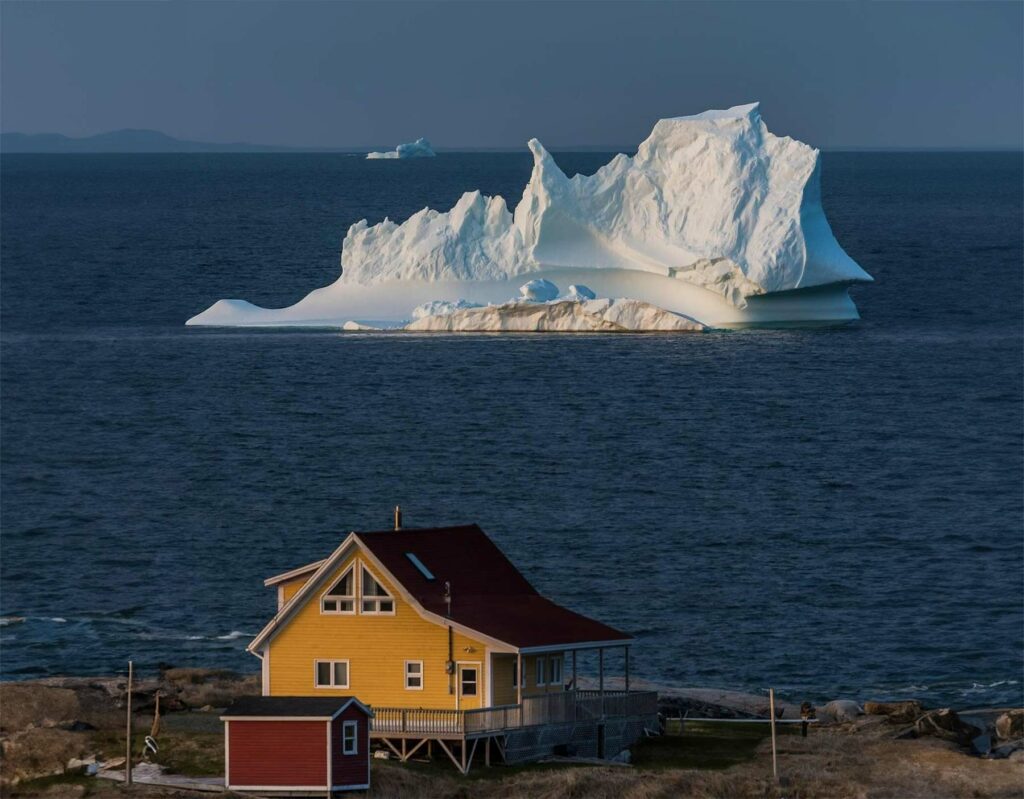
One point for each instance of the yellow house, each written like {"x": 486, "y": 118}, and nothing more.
{"x": 450, "y": 645}
{"x": 432, "y": 618}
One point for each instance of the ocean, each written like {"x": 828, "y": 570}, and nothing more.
{"x": 828, "y": 512}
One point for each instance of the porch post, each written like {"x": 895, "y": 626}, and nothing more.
{"x": 600, "y": 671}
{"x": 627, "y": 667}
{"x": 575, "y": 687}
{"x": 519, "y": 679}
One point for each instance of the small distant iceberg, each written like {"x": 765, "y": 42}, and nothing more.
{"x": 416, "y": 149}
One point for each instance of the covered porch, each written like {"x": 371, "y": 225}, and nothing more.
{"x": 532, "y": 705}
{"x": 601, "y": 657}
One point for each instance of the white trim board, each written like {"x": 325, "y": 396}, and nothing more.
{"x": 289, "y": 575}
{"x": 227, "y": 752}
{"x": 278, "y": 787}
{"x": 542, "y": 650}
{"x": 329, "y": 725}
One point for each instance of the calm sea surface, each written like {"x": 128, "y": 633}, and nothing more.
{"x": 830, "y": 512}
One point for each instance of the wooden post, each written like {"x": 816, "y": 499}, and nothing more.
{"x": 128, "y": 731}
{"x": 627, "y": 668}
{"x": 519, "y": 680}
{"x": 575, "y": 687}
{"x": 600, "y": 677}
{"x": 771, "y": 709}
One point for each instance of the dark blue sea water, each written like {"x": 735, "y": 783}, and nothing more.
{"x": 829, "y": 512}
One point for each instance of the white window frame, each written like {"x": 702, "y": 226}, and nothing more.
{"x": 333, "y": 685}
{"x": 540, "y": 666}
{"x": 408, "y": 675}
{"x": 462, "y": 668}
{"x": 378, "y": 599}
{"x": 354, "y": 727}
{"x": 353, "y": 597}
{"x": 553, "y": 678}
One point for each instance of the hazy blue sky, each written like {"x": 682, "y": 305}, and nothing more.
{"x": 494, "y": 74}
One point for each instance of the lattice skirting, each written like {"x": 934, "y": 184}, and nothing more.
{"x": 579, "y": 738}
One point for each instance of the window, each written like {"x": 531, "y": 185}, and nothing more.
{"x": 517, "y": 673}
{"x": 341, "y": 598}
{"x": 555, "y": 671}
{"x": 540, "y": 671}
{"x": 375, "y": 599}
{"x": 419, "y": 565}
{"x": 350, "y": 737}
{"x": 332, "y": 674}
{"x": 414, "y": 675}
{"x": 468, "y": 681}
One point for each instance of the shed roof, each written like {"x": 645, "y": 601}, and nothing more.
{"x": 291, "y": 706}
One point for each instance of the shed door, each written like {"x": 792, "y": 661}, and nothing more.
{"x": 469, "y": 686}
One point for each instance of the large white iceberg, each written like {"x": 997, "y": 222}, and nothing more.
{"x": 417, "y": 149}
{"x": 714, "y": 219}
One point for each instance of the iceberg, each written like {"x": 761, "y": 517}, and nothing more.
{"x": 558, "y": 316}
{"x": 715, "y": 220}
{"x": 418, "y": 149}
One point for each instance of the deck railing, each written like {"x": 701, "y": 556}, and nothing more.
{"x": 557, "y": 708}
{"x": 406, "y": 719}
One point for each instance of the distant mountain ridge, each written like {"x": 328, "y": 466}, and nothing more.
{"x": 135, "y": 140}
{"x": 132, "y": 140}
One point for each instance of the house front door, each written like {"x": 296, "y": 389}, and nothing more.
{"x": 469, "y": 687}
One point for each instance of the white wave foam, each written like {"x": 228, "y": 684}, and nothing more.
{"x": 234, "y": 635}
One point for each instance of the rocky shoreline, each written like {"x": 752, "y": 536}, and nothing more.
{"x": 63, "y": 726}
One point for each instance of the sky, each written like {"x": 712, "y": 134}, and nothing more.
{"x": 493, "y": 74}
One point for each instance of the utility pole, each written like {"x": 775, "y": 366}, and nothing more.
{"x": 128, "y": 743}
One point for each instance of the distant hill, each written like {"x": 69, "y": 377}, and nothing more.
{"x": 133, "y": 140}
{"x": 125, "y": 141}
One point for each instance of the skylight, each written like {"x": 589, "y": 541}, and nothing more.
{"x": 419, "y": 565}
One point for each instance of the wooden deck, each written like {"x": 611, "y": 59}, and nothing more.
{"x": 568, "y": 706}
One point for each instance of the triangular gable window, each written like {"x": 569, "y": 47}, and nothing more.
{"x": 341, "y": 597}
{"x": 374, "y": 598}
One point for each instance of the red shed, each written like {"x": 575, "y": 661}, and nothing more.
{"x": 297, "y": 745}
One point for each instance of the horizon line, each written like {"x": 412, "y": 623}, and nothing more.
{"x": 270, "y": 149}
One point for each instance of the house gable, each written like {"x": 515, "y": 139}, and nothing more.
{"x": 331, "y": 569}
{"x": 374, "y": 646}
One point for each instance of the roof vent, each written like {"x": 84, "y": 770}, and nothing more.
{"x": 419, "y": 565}
{"x": 398, "y": 517}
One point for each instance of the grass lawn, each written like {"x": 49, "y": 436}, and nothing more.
{"x": 704, "y": 746}
{"x": 701, "y": 744}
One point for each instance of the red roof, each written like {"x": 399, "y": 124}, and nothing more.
{"x": 489, "y": 594}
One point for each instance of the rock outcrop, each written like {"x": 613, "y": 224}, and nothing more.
{"x": 906, "y": 711}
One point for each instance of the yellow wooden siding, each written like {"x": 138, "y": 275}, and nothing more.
{"x": 503, "y": 666}
{"x": 291, "y": 588}
{"x": 377, "y": 648}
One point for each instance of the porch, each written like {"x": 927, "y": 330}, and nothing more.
{"x": 596, "y": 721}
